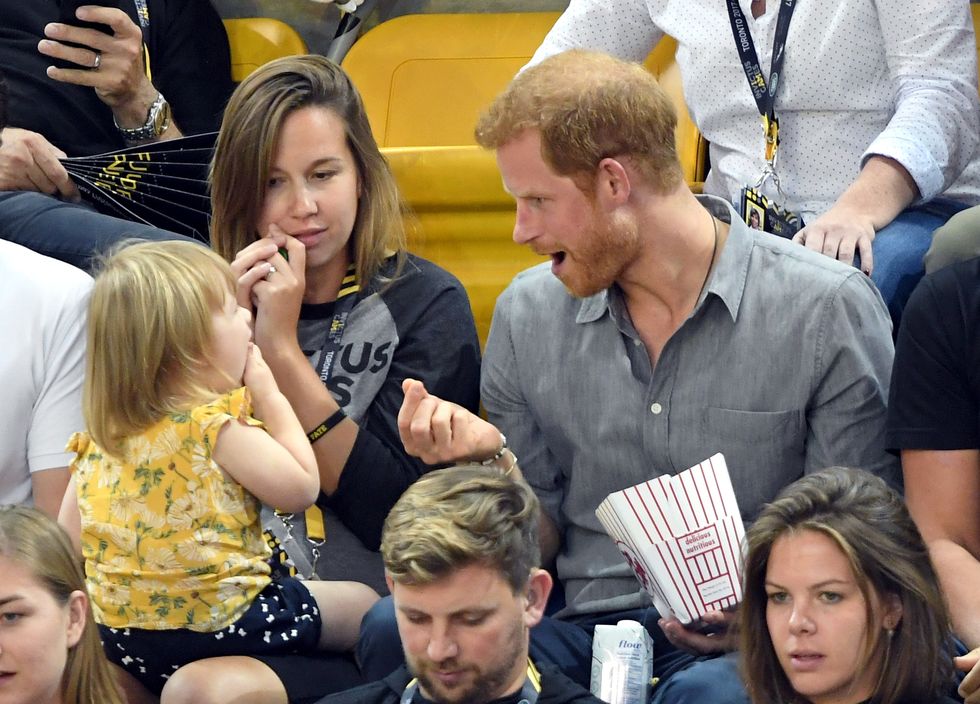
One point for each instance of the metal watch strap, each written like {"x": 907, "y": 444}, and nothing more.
{"x": 153, "y": 127}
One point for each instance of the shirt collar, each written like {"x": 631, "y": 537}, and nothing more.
{"x": 593, "y": 307}
{"x": 727, "y": 280}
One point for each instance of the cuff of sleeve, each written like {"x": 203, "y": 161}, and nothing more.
{"x": 916, "y": 159}
{"x": 50, "y": 460}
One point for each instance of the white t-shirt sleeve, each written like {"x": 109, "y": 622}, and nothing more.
{"x": 57, "y": 411}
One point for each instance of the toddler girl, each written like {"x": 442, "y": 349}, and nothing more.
{"x": 167, "y": 482}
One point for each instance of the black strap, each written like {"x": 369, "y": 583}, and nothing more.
{"x": 764, "y": 94}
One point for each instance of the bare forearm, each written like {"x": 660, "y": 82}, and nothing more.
{"x": 881, "y": 191}
{"x": 959, "y": 575}
{"x": 942, "y": 490}
{"x": 313, "y": 403}
{"x": 48, "y": 489}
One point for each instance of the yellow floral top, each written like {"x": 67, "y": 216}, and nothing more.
{"x": 169, "y": 539}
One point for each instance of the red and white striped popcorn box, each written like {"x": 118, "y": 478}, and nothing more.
{"x": 682, "y": 536}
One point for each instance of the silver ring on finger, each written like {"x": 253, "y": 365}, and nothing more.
{"x": 97, "y": 62}
{"x": 272, "y": 270}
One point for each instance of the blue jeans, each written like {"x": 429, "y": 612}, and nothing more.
{"x": 704, "y": 680}
{"x": 899, "y": 248}
{"x": 71, "y": 232}
{"x": 567, "y": 644}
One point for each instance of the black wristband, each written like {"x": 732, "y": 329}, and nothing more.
{"x": 326, "y": 426}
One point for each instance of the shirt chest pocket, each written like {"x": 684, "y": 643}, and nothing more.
{"x": 764, "y": 450}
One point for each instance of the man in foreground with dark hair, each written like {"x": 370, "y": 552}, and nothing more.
{"x": 461, "y": 558}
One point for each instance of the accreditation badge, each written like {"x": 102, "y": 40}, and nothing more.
{"x": 761, "y": 213}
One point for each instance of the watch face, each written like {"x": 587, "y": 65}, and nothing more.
{"x": 161, "y": 120}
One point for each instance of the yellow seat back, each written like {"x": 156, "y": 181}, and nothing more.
{"x": 258, "y": 40}
{"x": 425, "y": 79}
{"x": 692, "y": 149}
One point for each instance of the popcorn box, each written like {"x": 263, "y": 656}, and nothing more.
{"x": 682, "y": 537}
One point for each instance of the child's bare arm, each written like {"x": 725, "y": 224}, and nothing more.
{"x": 277, "y": 466}
{"x": 273, "y": 409}
{"x": 258, "y": 462}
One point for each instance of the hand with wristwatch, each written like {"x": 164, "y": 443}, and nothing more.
{"x": 114, "y": 62}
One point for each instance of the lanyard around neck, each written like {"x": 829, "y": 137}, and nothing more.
{"x": 764, "y": 92}
{"x": 346, "y": 299}
{"x": 143, "y": 15}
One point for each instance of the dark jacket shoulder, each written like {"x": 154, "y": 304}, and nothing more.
{"x": 386, "y": 691}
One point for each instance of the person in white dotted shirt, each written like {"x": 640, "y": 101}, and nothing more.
{"x": 877, "y": 107}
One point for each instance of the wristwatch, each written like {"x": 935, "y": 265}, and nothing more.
{"x": 157, "y": 122}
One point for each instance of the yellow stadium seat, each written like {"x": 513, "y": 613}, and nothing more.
{"x": 692, "y": 149}
{"x": 425, "y": 79}
{"x": 258, "y": 40}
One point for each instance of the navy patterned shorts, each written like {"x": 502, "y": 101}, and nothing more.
{"x": 283, "y": 619}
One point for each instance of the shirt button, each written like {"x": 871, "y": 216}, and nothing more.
{"x": 656, "y": 408}
{"x": 637, "y": 343}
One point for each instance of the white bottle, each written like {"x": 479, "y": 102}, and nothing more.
{"x": 622, "y": 663}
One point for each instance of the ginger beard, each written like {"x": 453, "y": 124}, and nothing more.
{"x": 607, "y": 246}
